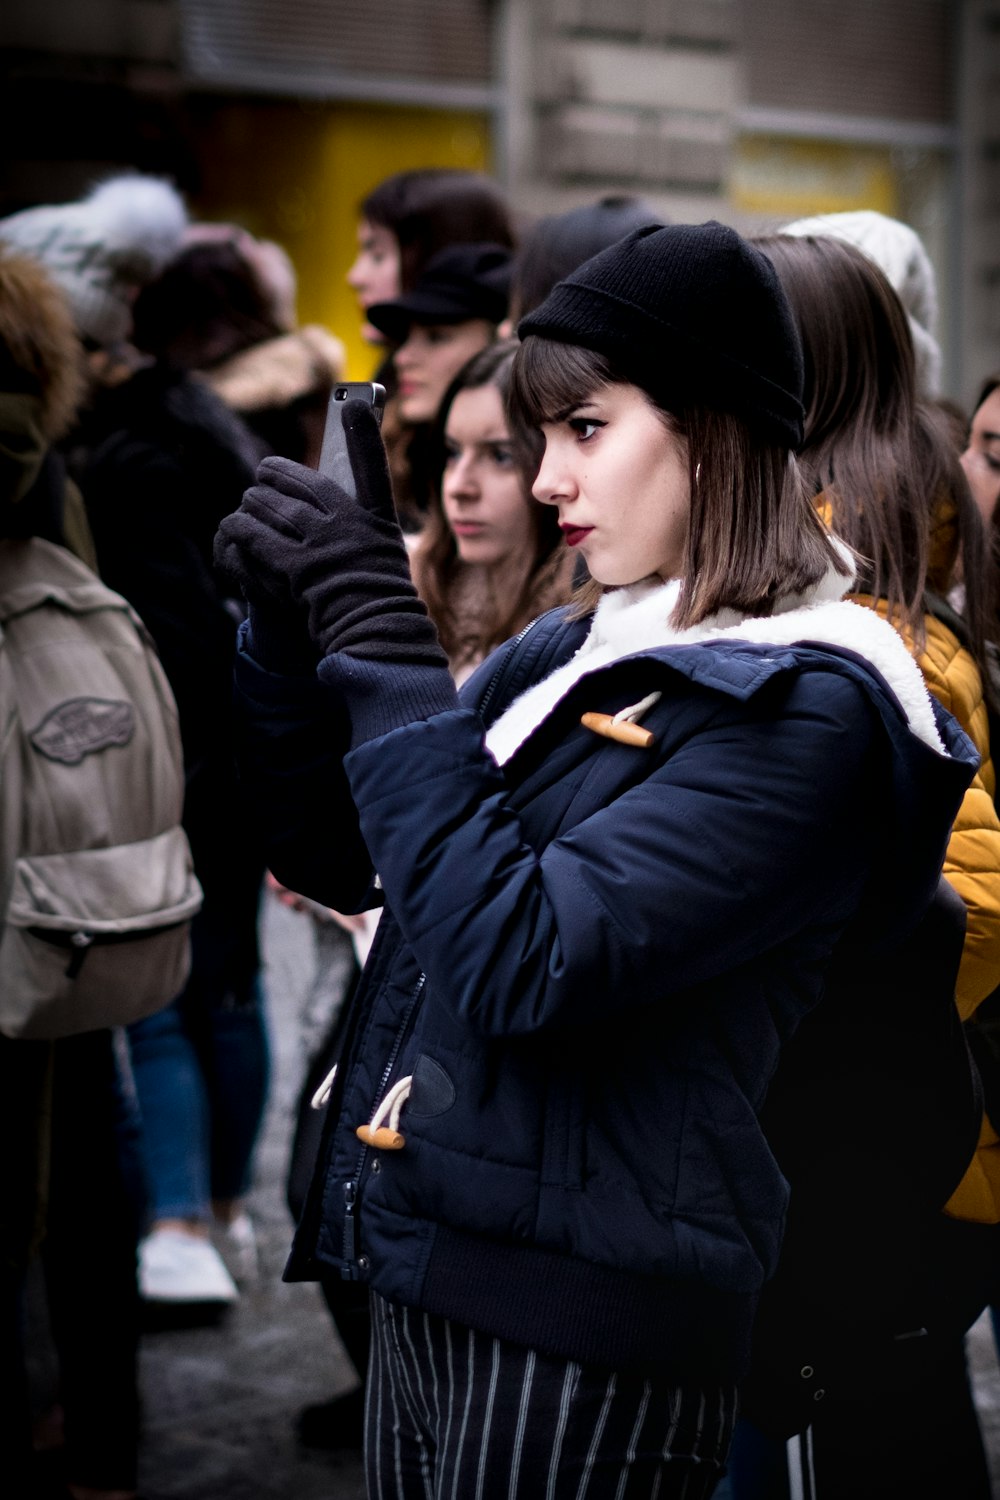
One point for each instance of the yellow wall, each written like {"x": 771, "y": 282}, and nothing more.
{"x": 296, "y": 172}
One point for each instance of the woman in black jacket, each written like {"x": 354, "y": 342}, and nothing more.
{"x": 615, "y": 869}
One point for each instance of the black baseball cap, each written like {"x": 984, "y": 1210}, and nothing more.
{"x": 457, "y": 284}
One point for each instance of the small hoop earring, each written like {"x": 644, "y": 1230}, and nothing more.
{"x": 697, "y": 472}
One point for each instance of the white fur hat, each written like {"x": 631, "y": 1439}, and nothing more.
{"x": 899, "y": 253}
{"x": 103, "y": 247}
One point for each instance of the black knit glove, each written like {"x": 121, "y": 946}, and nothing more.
{"x": 279, "y": 631}
{"x": 300, "y": 543}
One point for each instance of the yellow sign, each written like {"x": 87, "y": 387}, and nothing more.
{"x": 790, "y": 179}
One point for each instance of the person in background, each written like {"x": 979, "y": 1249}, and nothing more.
{"x": 225, "y": 308}
{"x": 614, "y": 868}
{"x": 980, "y": 460}
{"x": 489, "y": 558}
{"x": 452, "y": 311}
{"x": 403, "y": 222}
{"x": 981, "y": 455}
{"x": 69, "y": 1159}
{"x": 901, "y": 255}
{"x": 159, "y": 458}
{"x": 551, "y": 247}
{"x": 488, "y": 561}
{"x": 408, "y": 217}
{"x": 887, "y": 481}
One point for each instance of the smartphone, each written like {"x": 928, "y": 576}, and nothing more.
{"x": 334, "y": 461}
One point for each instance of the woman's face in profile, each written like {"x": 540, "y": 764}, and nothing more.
{"x": 484, "y": 503}
{"x": 375, "y": 274}
{"x": 981, "y": 459}
{"x": 619, "y": 477}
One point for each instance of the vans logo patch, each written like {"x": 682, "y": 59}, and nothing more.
{"x": 82, "y": 726}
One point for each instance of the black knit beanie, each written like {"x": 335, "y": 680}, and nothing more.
{"x": 691, "y": 313}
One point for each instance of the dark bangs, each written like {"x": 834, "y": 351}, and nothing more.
{"x": 548, "y": 379}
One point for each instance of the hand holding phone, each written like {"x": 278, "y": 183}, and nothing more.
{"x": 314, "y": 545}
{"x": 334, "y": 459}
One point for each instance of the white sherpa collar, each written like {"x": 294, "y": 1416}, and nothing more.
{"x": 634, "y": 619}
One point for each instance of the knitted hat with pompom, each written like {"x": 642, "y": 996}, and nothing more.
{"x": 102, "y": 248}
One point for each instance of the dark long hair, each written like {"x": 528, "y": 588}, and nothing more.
{"x": 754, "y": 535}
{"x": 432, "y": 207}
{"x": 436, "y": 563}
{"x": 881, "y": 458}
{"x": 207, "y": 305}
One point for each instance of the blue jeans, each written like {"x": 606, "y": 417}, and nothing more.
{"x": 201, "y": 1070}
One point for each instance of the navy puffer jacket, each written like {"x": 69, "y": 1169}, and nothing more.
{"x": 589, "y": 960}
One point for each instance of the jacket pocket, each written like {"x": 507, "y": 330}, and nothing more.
{"x": 564, "y": 1144}
{"x": 96, "y": 937}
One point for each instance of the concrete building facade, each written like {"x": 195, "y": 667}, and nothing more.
{"x": 281, "y": 112}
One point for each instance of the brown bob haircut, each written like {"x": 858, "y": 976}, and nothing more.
{"x": 754, "y": 534}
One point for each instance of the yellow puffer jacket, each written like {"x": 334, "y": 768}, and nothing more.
{"x": 972, "y": 866}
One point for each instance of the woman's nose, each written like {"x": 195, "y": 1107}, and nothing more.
{"x": 460, "y": 478}
{"x": 550, "y": 483}
{"x": 403, "y": 355}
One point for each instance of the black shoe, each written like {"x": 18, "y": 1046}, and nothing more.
{"x": 333, "y": 1424}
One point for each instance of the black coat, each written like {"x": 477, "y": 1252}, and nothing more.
{"x": 160, "y": 459}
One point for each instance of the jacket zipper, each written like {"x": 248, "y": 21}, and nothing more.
{"x": 350, "y": 1271}
{"x": 502, "y": 667}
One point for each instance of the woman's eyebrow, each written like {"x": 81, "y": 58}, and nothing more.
{"x": 569, "y": 411}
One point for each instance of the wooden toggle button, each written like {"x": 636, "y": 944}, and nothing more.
{"x": 383, "y": 1139}
{"x": 625, "y": 732}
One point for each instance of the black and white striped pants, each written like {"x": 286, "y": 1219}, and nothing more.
{"x": 456, "y": 1415}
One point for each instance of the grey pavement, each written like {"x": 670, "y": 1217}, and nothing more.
{"x": 220, "y": 1401}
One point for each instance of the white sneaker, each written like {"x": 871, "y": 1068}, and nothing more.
{"x": 237, "y": 1241}
{"x": 179, "y": 1267}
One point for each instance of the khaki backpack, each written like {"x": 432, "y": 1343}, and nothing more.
{"x": 97, "y": 887}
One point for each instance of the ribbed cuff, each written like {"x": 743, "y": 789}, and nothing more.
{"x": 382, "y": 696}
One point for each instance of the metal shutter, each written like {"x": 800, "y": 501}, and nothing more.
{"x": 321, "y": 49}
{"x": 888, "y": 59}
